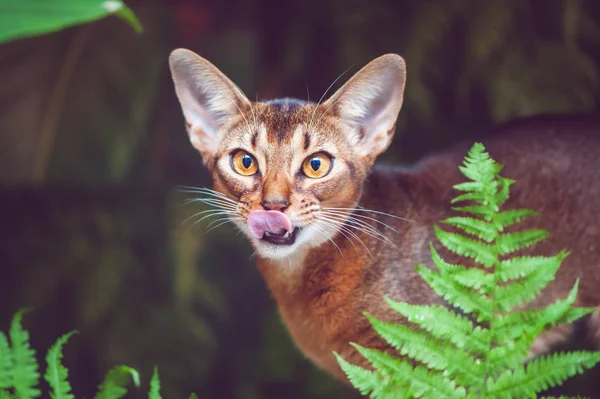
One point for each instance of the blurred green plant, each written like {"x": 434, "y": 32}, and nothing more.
{"x": 24, "y": 18}
{"x": 522, "y": 57}
{"x": 480, "y": 356}
{"x": 19, "y": 370}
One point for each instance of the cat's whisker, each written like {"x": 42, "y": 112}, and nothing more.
{"x": 369, "y": 230}
{"x": 361, "y": 209}
{"x": 342, "y": 226}
{"x": 228, "y": 220}
{"x": 214, "y": 202}
{"x": 353, "y": 215}
{"x": 355, "y": 220}
{"x": 324, "y": 94}
{"x": 243, "y": 116}
{"x": 322, "y": 231}
{"x": 207, "y": 191}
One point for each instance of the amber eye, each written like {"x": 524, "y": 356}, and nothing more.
{"x": 244, "y": 163}
{"x": 317, "y": 165}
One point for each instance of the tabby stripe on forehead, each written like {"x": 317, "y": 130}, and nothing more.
{"x": 253, "y": 140}
{"x": 306, "y": 140}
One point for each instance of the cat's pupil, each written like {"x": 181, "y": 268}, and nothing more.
{"x": 315, "y": 164}
{"x": 246, "y": 161}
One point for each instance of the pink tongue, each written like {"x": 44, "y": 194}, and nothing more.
{"x": 260, "y": 222}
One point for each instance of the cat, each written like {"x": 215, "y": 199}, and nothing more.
{"x": 334, "y": 234}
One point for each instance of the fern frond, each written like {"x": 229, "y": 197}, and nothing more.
{"x": 115, "y": 382}
{"x": 543, "y": 373}
{"x": 528, "y": 323}
{"x": 523, "y": 290}
{"x": 519, "y": 267}
{"x": 154, "y": 385}
{"x": 507, "y": 218}
{"x": 193, "y": 396}
{"x": 5, "y": 395}
{"x": 512, "y": 242}
{"x": 6, "y": 363}
{"x": 457, "y": 295}
{"x": 56, "y": 374}
{"x": 481, "y": 252}
{"x": 474, "y": 227}
{"x": 477, "y": 210}
{"x": 25, "y": 368}
{"x": 363, "y": 380}
{"x": 445, "y": 325}
{"x": 435, "y": 353}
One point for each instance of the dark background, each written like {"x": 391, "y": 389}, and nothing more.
{"x": 93, "y": 148}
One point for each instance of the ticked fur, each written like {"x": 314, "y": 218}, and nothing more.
{"x": 362, "y": 229}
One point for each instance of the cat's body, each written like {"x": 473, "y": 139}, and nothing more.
{"x": 323, "y": 305}
{"x": 291, "y": 175}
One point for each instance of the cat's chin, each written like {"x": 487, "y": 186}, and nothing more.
{"x": 280, "y": 248}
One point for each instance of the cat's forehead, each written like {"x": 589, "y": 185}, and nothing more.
{"x": 280, "y": 119}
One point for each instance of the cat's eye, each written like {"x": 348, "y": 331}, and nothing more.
{"x": 317, "y": 165}
{"x": 244, "y": 163}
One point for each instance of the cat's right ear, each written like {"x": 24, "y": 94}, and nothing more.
{"x": 209, "y": 100}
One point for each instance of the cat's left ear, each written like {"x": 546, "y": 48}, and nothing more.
{"x": 369, "y": 103}
{"x": 209, "y": 100}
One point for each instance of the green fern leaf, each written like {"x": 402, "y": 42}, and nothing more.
{"x": 56, "y": 374}
{"x": 5, "y": 395}
{"x": 543, "y": 373}
{"x": 25, "y": 368}
{"x": 477, "y": 250}
{"x": 524, "y": 290}
{"x": 115, "y": 381}
{"x": 502, "y": 195}
{"x": 193, "y": 396}
{"x": 528, "y": 323}
{"x": 436, "y": 354}
{"x": 477, "y": 210}
{"x": 363, "y": 380}
{"x": 514, "y": 268}
{"x": 445, "y": 325}
{"x": 5, "y": 363}
{"x": 474, "y": 227}
{"x": 457, "y": 295}
{"x": 505, "y": 219}
{"x": 512, "y": 242}
{"x": 154, "y": 386}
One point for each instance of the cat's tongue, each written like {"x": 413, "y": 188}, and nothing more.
{"x": 261, "y": 222}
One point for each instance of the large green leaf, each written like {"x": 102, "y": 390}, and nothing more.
{"x": 25, "y": 18}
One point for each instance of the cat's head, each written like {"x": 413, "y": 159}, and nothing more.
{"x": 289, "y": 170}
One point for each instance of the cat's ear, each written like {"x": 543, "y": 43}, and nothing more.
{"x": 368, "y": 104}
{"x": 209, "y": 100}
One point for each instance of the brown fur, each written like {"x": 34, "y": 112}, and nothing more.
{"x": 323, "y": 290}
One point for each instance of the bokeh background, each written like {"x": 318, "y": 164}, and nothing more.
{"x": 93, "y": 230}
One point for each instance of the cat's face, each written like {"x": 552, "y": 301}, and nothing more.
{"x": 288, "y": 172}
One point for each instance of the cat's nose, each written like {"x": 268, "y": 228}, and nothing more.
{"x": 275, "y": 204}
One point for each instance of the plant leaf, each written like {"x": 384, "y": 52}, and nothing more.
{"x": 6, "y": 363}
{"x": 154, "y": 386}
{"x": 57, "y": 374}
{"x": 115, "y": 381}
{"x": 25, "y": 18}
{"x": 25, "y": 368}
{"x": 463, "y": 246}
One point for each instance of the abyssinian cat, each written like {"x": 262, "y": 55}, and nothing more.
{"x": 334, "y": 234}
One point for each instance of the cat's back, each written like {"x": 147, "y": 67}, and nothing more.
{"x": 554, "y": 160}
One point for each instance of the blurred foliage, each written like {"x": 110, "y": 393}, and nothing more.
{"x": 92, "y": 145}
{"x": 26, "y": 18}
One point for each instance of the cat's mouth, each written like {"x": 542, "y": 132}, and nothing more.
{"x": 273, "y": 227}
{"x": 283, "y": 237}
